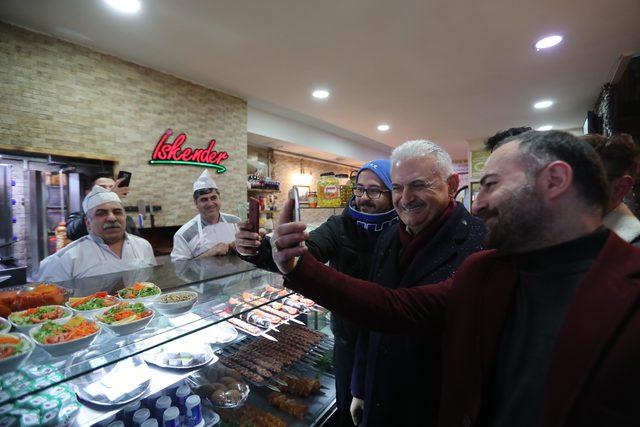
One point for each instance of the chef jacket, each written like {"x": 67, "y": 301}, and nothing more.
{"x": 196, "y": 236}
{"x": 91, "y": 256}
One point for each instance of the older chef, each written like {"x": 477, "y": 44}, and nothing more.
{"x": 211, "y": 232}
{"x": 107, "y": 248}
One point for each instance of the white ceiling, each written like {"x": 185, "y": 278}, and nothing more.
{"x": 449, "y": 70}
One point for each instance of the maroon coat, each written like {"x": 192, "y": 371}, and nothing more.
{"x": 594, "y": 370}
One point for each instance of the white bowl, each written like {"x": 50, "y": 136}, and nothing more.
{"x": 145, "y": 300}
{"x": 127, "y": 328}
{"x": 89, "y": 314}
{"x": 5, "y": 325}
{"x": 26, "y": 328}
{"x": 175, "y": 308}
{"x": 67, "y": 347}
{"x": 12, "y": 363}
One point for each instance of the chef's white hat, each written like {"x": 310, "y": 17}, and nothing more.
{"x": 204, "y": 181}
{"x": 98, "y": 196}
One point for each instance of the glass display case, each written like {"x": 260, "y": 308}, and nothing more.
{"x": 252, "y": 351}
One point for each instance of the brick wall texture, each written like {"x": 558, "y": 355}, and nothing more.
{"x": 61, "y": 98}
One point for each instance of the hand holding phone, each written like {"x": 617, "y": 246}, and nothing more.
{"x": 254, "y": 214}
{"x": 126, "y": 178}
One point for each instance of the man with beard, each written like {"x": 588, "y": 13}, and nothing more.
{"x": 396, "y": 378}
{"x": 211, "y": 232}
{"x": 346, "y": 241}
{"x": 107, "y": 249}
{"x": 540, "y": 331}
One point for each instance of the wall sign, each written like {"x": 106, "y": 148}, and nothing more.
{"x": 172, "y": 153}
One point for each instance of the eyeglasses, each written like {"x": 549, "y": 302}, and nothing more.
{"x": 372, "y": 193}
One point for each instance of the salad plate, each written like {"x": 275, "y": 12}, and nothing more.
{"x": 24, "y": 320}
{"x": 140, "y": 292}
{"x": 59, "y": 339}
{"x": 92, "y": 304}
{"x": 15, "y": 348}
{"x": 126, "y": 317}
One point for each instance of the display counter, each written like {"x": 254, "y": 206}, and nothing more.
{"x": 254, "y": 352}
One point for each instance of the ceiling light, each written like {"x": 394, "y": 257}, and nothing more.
{"x": 548, "y": 42}
{"x": 127, "y": 6}
{"x": 320, "y": 94}
{"x": 384, "y": 127}
{"x": 545, "y": 127}
{"x": 540, "y": 105}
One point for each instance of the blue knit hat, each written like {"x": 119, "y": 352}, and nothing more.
{"x": 381, "y": 167}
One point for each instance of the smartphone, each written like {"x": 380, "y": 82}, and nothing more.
{"x": 254, "y": 214}
{"x": 127, "y": 178}
{"x": 295, "y": 196}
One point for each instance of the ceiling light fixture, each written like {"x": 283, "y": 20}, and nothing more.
{"x": 545, "y": 127}
{"x": 384, "y": 127}
{"x": 540, "y": 105}
{"x": 126, "y": 6}
{"x": 547, "y": 42}
{"x": 320, "y": 94}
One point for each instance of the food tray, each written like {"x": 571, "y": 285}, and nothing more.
{"x": 156, "y": 357}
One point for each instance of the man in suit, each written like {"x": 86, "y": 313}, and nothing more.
{"x": 540, "y": 331}
{"x": 396, "y": 378}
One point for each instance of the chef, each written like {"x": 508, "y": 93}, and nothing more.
{"x": 107, "y": 249}
{"x": 211, "y": 232}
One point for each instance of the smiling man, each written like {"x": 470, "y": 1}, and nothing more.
{"x": 396, "y": 378}
{"x": 211, "y": 232}
{"x": 107, "y": 249}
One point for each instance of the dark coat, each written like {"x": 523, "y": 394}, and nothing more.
{"x": 593, "y": 373}
{"x": 397, "y": 375}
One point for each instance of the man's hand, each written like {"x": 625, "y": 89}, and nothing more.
{"x": 287, "y": 243}
{"x": 120, "y": 191}
{"x": 357, "y": 406}
{"x": 247, "y": 242}
{"x": 218, "y": 250}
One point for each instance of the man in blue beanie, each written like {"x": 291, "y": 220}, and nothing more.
{"x": 347, "y": 242}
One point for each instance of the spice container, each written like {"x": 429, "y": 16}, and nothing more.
{"x": 345, "y": 188}
{"x": 312, "y": 197}
{"x": 328, "y": 191}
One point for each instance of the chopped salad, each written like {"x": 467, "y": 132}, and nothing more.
{"x": 34, "y": 316}
{"x": 11, "y": 345}
{"x": 93, "y": 301}
{"x": 124, "y": 313}
{"x": 54, "y": 333}
{"x": 139, "y": 290}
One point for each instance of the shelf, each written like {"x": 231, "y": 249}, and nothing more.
{"x": 308, "y": 207}
{"x": 262, "y": 190}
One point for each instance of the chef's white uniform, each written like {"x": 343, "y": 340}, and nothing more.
{"x": 90, "y": 256}
{"x": 196, "y": 237}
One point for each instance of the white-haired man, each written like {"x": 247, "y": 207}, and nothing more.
{"x": 211, "y": 232}
{"x": 107, "y": 249}
{"x": 396, "y": 378}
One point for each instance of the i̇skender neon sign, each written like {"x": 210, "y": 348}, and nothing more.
{"x": 173, "y": 154}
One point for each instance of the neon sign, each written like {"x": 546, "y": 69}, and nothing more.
{"x": 173, "y": 153}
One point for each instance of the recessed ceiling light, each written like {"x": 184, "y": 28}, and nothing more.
{"x": 540, "y": 105}
{"x": 545, "y": 127}
{"x": 548, "y": 42}
{"x": 127, "y": 6}
{"x": 320, "y": 94}
{"x": 384, "y": 127}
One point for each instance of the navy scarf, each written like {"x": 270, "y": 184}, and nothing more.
{"x": 372, "y": 222}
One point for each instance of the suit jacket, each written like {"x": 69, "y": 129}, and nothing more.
{"x": 594, "y": 370}
{"x": 397, "y": 375}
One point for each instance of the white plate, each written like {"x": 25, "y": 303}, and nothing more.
{"x": 220, "y": 334}
{"x": 5, "y": 325}
{"x": 26, "y": 328}
{"x": 13, "y": 362}
{"x": 67, "y": 347}
{"x": 127, "y": 328}
{"x": 157, "y": 357}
